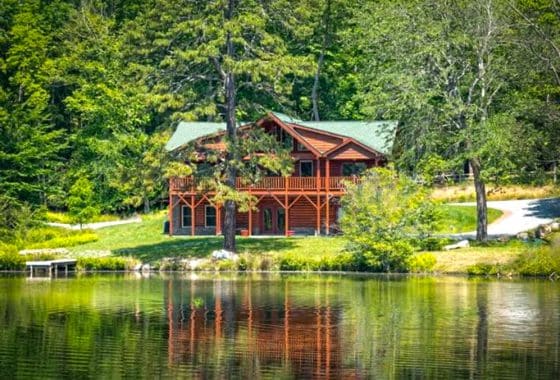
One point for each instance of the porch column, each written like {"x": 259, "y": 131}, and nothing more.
{"x": 218, "y": 220}
{"x": 318, "y": 203}
{"x": 193, "y": 214}
{"x": 250, "y": 215}
{"x": 170, "y": 211}
{"x": 327, "y": 188}
{"x": 286, "y": 208}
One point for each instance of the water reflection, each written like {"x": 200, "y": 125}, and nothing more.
{"x": 214, "y": 326}
{"x": 279, "y": 326}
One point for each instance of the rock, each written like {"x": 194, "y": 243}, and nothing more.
{"x": 543, "y": 230}
{"x": 504, "y": 238}
{"x": 52, "y": 251}
{"x": 222, "y": 254}
{"x": 523, "y": 236}
{"x": 146, "y": 268}
{"x": 138, "y": 267}
{"x": 460, "y": 244}
{"x": 555, "y": 226}
{"x": 193, "y": 264}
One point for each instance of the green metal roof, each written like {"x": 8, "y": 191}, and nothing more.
{"x": 378, "y": 135}
{"x": 188, "y": 131}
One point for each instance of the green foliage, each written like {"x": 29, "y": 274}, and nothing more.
{"x": 421, "y": 263}
{"x": 431, "y": 243}
{"x": 65, "y": 218}
{"x": 8, "y": 249}
{"x": 15, "y": 220}
{"x": 12, "y": 261}
{"x": 81, "y": 202}
{"x": 65, "y": 241}
{"x": 483, "y": 269}
{"x": 105, "y": 263}
{"x": 382, "y": 216}
{"x": 334, "y": 262}
{"x": 543, "y": 261}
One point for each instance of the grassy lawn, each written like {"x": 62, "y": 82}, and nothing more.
{"x": 465, "y": 192}
{"x": 147, "y": 242}
{"x": 457, "y": 261}
{"x": 62, "y": 217}
{"x": 457, "y": 219}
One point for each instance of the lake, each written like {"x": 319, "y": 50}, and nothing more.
{"x": 278, "y": 326}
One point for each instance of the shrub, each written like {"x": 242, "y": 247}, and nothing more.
{"x": 484, "y": 269}
{"x": 381, "y": 215}
{"x": 542, "y": 261}
{"x": 55, "y": 237}
{"x": 114, "y": 263}
{"x": 66, "y": 241}
{"x": 10, "y": 259}
{"x": 421, "y": 263}
{"x": 432, "y": 243}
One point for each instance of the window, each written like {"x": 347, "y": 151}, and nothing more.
{"x": 186, "y": 216}
{"x": 284, "y": 137}
{"x": 301, "y": 148}
{"x": 306, "y": 168}
{"x": 210, "y": 216}
{"x": 353, "y": 168}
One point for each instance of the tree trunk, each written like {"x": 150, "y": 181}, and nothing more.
{"x": 481, "y": 207}
{"x": 146, "y": 205}
{"x": 231, "y": 172}
{"x": 315, "y": 89}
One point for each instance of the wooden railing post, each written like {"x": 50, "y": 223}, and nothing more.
{"x": 250, "y": 215}
{"x": 286, "y": 208}
{"x": 318, "y": 202}
{"x": 327, "y": 189}
{"x": 193, "y": 215}
{"x": 170, "y": 211}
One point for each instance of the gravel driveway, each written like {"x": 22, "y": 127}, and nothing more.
{"x": 519, "y": 215}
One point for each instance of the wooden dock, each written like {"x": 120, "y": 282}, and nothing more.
{"x": 51, "y": 266}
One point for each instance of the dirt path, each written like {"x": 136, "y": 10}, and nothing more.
{"x": 96, "y": 226}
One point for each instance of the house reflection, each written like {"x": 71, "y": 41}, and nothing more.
{"x": 214, "y": 324}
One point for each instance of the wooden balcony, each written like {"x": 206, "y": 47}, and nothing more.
{"x": 272, "y": 185}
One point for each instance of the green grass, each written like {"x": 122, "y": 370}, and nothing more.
{"x": 147, "y": 242}
{"x": 62, "y": 217}
{"x": 458, "y": 219}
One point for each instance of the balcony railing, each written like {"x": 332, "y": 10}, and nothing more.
{"x": 277, "y": 184}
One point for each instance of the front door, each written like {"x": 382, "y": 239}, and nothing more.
{"x": 273, "y": 220}
{"x": 268, "y": 227}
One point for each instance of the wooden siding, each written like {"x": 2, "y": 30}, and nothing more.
{"x": 320, "y": 141}
{"x": 351, "y": 151}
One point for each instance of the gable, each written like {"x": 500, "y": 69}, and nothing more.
{"x": 351, "y": 151}
{"x": 321, "y": 141}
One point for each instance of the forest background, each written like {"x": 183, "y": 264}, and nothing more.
{"x": 91, "y": 90}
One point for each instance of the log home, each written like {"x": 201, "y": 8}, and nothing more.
{"x": 325, "y": 154}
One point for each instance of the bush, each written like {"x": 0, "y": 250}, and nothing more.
{"x": 66, "y": 241}
{"x": 421, "y": 263}
{"x": 432, "y": 243}
{"x": 10, "y": 259}
{"x": 55, "y": 237}
{"x": 106, "y": 263}
{"x": 381, "y": 215}
{"x": 543, "y": 261}
{"x": 485, "y": 269}
{"x": 255, "y": 262}
{"x": 340, "y": 262}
